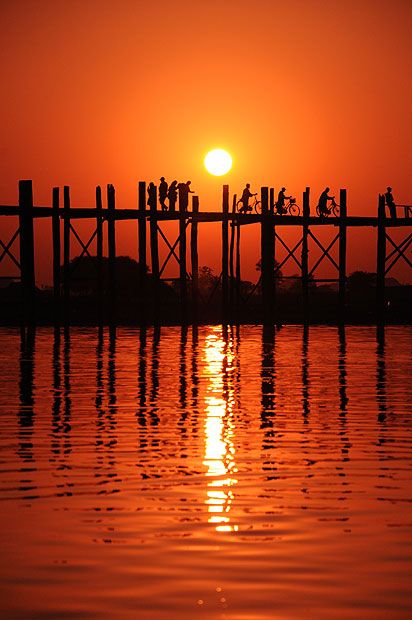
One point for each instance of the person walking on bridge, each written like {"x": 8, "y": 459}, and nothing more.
{"x": 280, "y": 204}
{"x": 246, "y": 194}
{"x": 163, "y": 193}
{"x": 172, "y": 195}
{"x": 323, "y": 202}
{"x": 151, "y": 192}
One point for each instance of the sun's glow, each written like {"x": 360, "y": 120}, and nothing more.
{"x": 218, "y": 162}
{"x": 219, "y": 429}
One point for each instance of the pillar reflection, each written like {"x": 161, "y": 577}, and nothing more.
{"x": 305, "y": 374}
{"x": 67, "y": 391}
{"x": 142, "y": 385}
{"x": 194, "y": 376}
{"x": 219, "y": 430}
{"x": 26, "y": 391}
{"x": 267, "y": 414}
{"x": 154, "y": 391}
{"x": 111, "y": 393}
{"x": 381, "y": 386}
{"x": 184, "y": 412}
{"x": 343, "y": 397}
{"x": 57, "y": 426}
{"x": 99, "y": 399}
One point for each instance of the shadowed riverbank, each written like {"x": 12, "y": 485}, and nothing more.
{"x": 90, "y": 302}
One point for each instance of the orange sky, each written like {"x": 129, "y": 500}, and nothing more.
{"x": 300, "y": 92}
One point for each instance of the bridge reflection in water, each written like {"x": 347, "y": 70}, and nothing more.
{"x": 184, "y": 469}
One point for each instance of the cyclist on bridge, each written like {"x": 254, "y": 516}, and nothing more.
{"x": 280, "y": 204}
{"x": 323, "y": 202}
{"x": 245, "y": 199}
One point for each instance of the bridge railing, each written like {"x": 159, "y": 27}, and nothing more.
{"x": 407, "y": 210}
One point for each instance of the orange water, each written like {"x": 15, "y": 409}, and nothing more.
{"x": 234, "y": 474}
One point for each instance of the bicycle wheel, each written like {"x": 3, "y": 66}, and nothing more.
{"x": 294, "y": 209}
{"x": 258, "y": 207}
{"x": 319, "y": 214}
{"x": 336, "y": 210}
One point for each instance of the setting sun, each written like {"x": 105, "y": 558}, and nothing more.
{"x": 218, "y": 162}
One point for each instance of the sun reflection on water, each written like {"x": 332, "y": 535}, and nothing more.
{"x": 219, "y": 431}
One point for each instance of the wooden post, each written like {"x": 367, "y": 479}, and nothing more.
{"x": 194, "y": 259}
{"x": 267, "y": 259}
{"x": 99, "y": 251}
{"x": 27, "y": 248}
{"x": 225, "y": 253}
{"x": 238, "y": 277}
{"x": 182, "y": 259}
{"x": 342, "y": 253}
{"x": 111, "y": 250}
{"x": 56, "y": 253}
{"x": 154, "y": 253}
{"x": 142, "y": 250}
{"x": 305, "y": 255}
{"x": 66, "y": 251}
{"x": 231, "y": 260}
{"x": 381, "y": 261}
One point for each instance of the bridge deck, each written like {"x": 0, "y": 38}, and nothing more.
{"x": 206, "y": 216}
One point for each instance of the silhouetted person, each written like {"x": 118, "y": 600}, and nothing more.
{"x": 184, "y": 191}
{"x": 246, "y": 194}
{"x": 172, "y": 195}
{"x": 323, "y": 202}
{"x": 151, "y": 192}
{"x": 163, "y": 193}
{"x": 280, "y": 204}
{"x": 390, "y": 202}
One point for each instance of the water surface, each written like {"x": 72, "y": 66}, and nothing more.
{"x": 230, "y": 473}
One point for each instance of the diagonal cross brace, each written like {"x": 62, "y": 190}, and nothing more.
{"x": 85, "y": 246}
{"x": 291, "y": 253}
{"x": 389, "y": 256}
{"x": 171, "y": 248}
{"x": 400, "y": 250}
{"x": 6, "y": 249}
{"x": 325, "y": 252}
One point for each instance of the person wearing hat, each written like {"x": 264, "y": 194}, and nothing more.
{"x": 280, "y": 204}
{"x": 390, "y": 202}
{"x": 163, "y": 187}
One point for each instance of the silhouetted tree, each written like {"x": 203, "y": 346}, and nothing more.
{"x": 83, "y": 274}
{"x": 207, "y": 279}
{"x": 279, "y": 272}
{"x": 361, "y": 281}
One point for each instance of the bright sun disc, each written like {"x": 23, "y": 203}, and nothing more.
{"x": 218, "y": 162}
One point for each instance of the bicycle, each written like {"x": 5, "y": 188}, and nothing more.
{"x": 290, "y": 207}
{"x": 256, "y": 205}
{"x": 334, "y": 209}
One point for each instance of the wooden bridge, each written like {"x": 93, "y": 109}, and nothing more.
{"x": 388, "y": 251}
